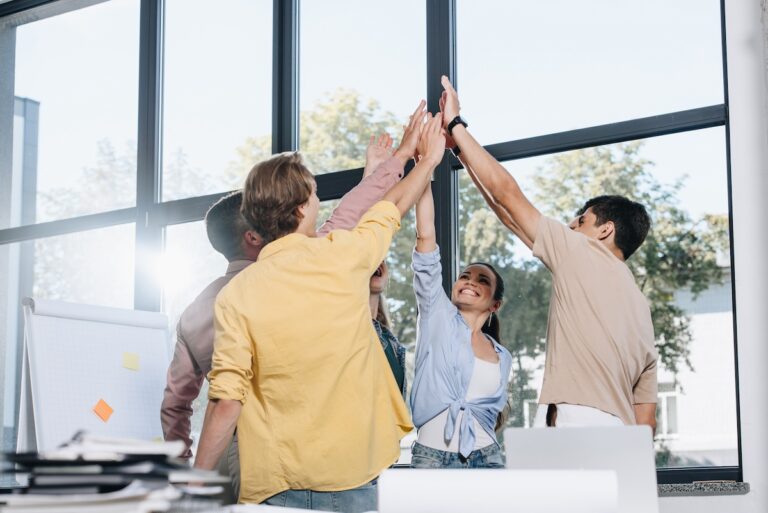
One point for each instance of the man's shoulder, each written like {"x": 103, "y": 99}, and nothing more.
{"x": 203, "y": 303}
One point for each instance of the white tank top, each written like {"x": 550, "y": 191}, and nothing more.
{"x": 483, "y": 383}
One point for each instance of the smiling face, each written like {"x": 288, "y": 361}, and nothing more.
{"x": 379, "y": 279}
{"x": 474, "y": 289}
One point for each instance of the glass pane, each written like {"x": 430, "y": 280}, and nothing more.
{"x": 528, "y": 68}
{"x": 187, "y": 266}
{"x": 217, "y": 102}
{"x": 93, "y": 267}
{"x": 75, "y": 119}
{"x": 682, "y": 181}
{"x": 357, "y": 80}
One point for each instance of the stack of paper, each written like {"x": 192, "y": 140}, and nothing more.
{"x": 106, "y": 474}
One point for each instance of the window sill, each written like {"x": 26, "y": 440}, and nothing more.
{"x": 703, "y": 488}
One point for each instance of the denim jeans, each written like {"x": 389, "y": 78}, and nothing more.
{"x": 356, "y": 500}
{"x": 427, "y": 457}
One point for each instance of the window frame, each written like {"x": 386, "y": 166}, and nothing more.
{"x": 151, "y": 215}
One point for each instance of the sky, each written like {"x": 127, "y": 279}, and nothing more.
{"x": 524, "y": 69}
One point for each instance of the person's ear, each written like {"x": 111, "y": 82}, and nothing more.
{"x": 301, "y": 210}
{"x": 605, "y": 230}
{"x": 495, "y": 307}
{"x": 252, "y": 238}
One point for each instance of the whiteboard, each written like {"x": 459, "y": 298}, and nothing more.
{"x": 79, "y": 358}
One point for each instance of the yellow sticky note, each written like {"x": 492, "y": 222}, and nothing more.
{"x": 103, "y": 410}
{"x": 131, "y": 361}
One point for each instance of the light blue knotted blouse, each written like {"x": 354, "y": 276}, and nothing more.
{"x": 445, "y": 360}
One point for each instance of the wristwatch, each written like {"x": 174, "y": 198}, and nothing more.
{"x": 455, "y": 121}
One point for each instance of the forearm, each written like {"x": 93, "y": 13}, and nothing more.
{"x": 497, "y": 182}
{"x": 645, "y": 413}
{"x": 363, "y": 196}
{"x": 218, "y": 428}
{"x": 410, "y": 188}
{"x": 498, "y": 209}
{"x": 425, "y": 221}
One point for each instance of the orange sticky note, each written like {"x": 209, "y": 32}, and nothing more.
{"x": 103, "y": 410}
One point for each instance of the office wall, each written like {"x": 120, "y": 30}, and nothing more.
{"x": 747, "y": 41}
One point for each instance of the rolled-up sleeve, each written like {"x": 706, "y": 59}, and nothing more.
{"x": 232, "y": 361}
{"x": 427, "y": 279}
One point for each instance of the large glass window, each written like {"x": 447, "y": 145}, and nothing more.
{"x": 362, "y": 73}
{"x": 523, "y": 70}
{"x": 217, "y": 94}
{"x": 683, "y": 268}
{"x": 529, "y": 68}
{"x": 76, "y": 114}
{"x": 93, "y": 267}
{"x": 189, "y": 263}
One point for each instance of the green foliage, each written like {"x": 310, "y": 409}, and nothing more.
{"x": 679, "y": 253}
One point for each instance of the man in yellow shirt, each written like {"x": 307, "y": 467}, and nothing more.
{"x": 297, "y": 365}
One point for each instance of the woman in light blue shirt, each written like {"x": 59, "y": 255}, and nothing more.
{"x": 460, "y": 385}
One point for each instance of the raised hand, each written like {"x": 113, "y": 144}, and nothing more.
{"x": 378, "y": 151}
{"x": 449, "y": 101}
{"x": 432, "y": 142}
{"x": 411, "y": 134}
{"x": 449, "y": 142}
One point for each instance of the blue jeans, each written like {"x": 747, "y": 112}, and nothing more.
{"x": 356, "y": 500}
{"x": 427, "y": 457}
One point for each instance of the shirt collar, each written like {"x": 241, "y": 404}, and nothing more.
{"x": 282, "y": 243}
{"x": 235, "y": 266}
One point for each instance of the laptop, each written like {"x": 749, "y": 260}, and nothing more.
{"x": 627, "y": 450}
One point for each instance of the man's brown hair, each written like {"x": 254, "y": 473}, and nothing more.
{"x": 273, "y": 192}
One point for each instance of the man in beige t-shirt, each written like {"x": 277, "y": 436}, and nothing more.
{"x": 600, "y": 364}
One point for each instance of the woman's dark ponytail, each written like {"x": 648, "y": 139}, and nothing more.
{"x": 492, "y": 327}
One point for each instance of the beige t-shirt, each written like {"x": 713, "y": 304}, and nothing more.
{"x": 600, "y": 343}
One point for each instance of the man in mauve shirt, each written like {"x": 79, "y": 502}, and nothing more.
{"x": 232, "y": 236}
{"x": 600, "y": 366}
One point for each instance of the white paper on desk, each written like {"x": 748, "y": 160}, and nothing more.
{"x": 495, "y": 490}
{"x": 138, "y": 490}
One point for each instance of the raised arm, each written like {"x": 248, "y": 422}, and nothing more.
{"x": 426, "y": 240}
{"x": 405, "y": 193}
{"x": 499, "y": 210}
{"x": 502, "y": 187}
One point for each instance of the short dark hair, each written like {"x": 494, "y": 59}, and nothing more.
{"x": 225, "y": 225}
{"x": 629, "y": 218}
{"x": 273, "y": 192}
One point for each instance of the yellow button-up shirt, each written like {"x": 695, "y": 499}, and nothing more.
{"x": 296, "y": 346}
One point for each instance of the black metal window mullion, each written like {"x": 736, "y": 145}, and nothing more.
{"x": 441, "y": 60}
{"x": 285, "y": 75}
{"x": 149, "y": 235}
{"x": 724, "y": 53}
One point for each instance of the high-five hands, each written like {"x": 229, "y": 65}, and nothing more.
{"x": 411, "y": 134}
{"x": 449, "y": 142}
{"x": 449, "y": 101}
{"x": 432, "y": 142}
{"x": 378, "y": 151}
